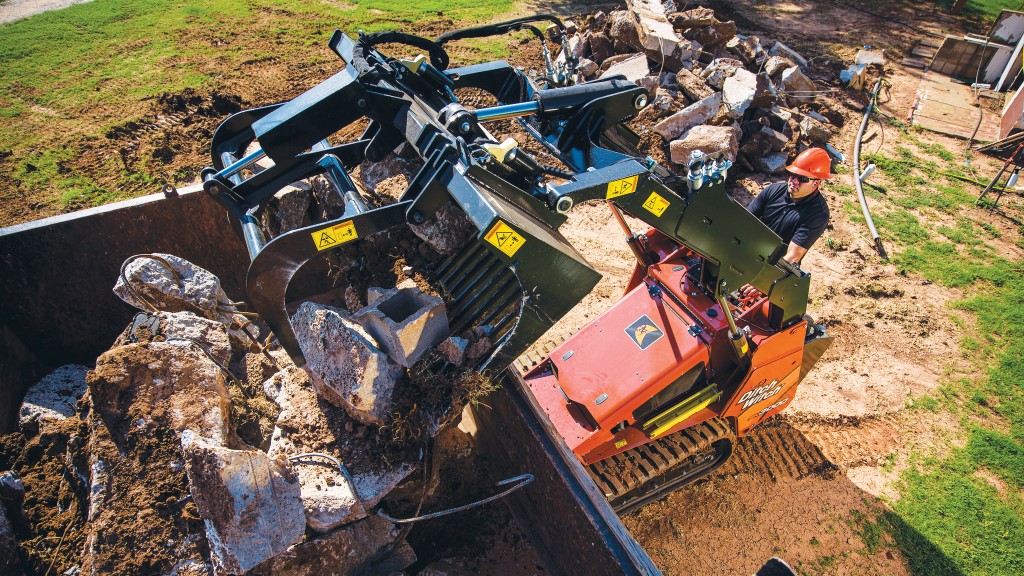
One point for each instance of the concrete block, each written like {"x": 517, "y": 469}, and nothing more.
{"x": 694, "y": 114}
{"x": 405, "y": 323}
{"x": 250, "y": 504}
{"x": 352, "y": 373}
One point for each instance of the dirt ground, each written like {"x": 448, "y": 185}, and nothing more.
{"x": 798, "y": 488}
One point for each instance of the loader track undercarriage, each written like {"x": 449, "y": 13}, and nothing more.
{"x": 646, "y": 473}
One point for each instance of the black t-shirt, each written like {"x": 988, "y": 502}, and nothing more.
{"x": 801, "y": 221}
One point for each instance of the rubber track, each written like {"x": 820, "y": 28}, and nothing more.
{"x": 630, "y": 470}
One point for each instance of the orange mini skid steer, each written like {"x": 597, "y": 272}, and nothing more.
{"x": 651, "y": 394}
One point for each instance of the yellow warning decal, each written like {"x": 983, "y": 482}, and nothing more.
{"x": 335, "y": 235}
{"x": 655, "y": 204}
{"x": 504, "y": 238}
{"x": 621, "y": 443}
{"x": 621, "y": 187}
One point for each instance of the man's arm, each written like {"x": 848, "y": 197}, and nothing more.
{"x": 795, "y": 253}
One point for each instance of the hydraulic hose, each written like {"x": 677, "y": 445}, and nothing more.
{"x": 366, "y": 42}
{"x": 856, "y": 172}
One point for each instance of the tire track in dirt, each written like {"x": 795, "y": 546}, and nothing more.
{"x": 851, "y": 442}
{"x": 779, "y": 451}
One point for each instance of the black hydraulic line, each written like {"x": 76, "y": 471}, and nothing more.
{"x": 856, "y": 172}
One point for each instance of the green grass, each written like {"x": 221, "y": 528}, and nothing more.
{"x": 71, "y": 75}
{"x": 985, "y": 10}
{"x": 963, "y": 513}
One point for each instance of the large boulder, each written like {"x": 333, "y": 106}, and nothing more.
{"x": 353, "y": 373}
{"x": 697, "y": 113}
{"x": 250, "y": 503}
{"x": 725, "y": 139}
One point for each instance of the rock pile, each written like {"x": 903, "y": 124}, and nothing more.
{"x": 713, "y": 89}
{"x": 152, "y": 439}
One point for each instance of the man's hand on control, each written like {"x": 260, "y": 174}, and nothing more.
{"x": 747, "y": 291}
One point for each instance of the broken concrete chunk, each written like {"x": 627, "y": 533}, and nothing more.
{"x": 373, "y": 485}
{"x": 185, "y": 329}
{"x": 651, "y": 83}
{"x": 624, "y": 33}
{"x": 694, "y": 18}
{"x": 738, "y": 92}
{"x": 454, "y": 349}
{"x": 694, "y": 114}
{"x": 171, "y": 284}
{"x": 405, "y": 323}
{"x": 447, "y": 231}
{"x": 587, "y": 67}
{"x": 713, "y": 35}
{"x": 746, "y": 49}
{"x": 54, "y": 396}
{"x": 633, "y": 68}
{"x": 776, "y": 64}
{"x": 692, "y": 85}
{"x": 815, "y": 131}
{"x": 765, "y": 94}
{"x": 355, "y": 550}
{"x": 780, "y": 49}
{"x": 707, "y": 139}
{"x": 770, "y": 163}
{"x": 287, "y": 209}
{"x": 371, "y": 174}
{"x": 720, "y": 69}
{"x": 250, "y": 503}
{"x": 798, "y": 88}
{"x": 329, "y": 499}
{"x": 352, "y": 372}
{"x": 161, "y": 384}
{"x": 868, "y": 57}
{"x": 600, "y": 47}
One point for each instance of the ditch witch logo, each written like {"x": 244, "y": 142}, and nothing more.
{"x": 760, "y": 393}
{"x": 644, "y": 332}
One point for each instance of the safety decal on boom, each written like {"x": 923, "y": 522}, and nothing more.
{"x": 335, "y": 235}
{"x": 504, "y": 238}
{"x": 644, "y": 332}
{"x": 621, "y": 187}
{"x": 655, "y": 204}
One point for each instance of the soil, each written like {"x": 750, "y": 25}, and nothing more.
{"x": 799, "y": 487}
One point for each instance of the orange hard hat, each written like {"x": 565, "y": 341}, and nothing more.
{"x": 812, "y": 163}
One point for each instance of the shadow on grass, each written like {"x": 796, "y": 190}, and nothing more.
{"x": 923, "y": 557}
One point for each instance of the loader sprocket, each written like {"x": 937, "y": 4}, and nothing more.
{"x": 646, "y": 473}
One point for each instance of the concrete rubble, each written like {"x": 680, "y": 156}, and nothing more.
{"x": 702, "y": 71}
{"x": 405, "y": 323}
{"x": 354, "y": 374}
{"x": 54, "y": 396}
{"x": 250, "y": 503}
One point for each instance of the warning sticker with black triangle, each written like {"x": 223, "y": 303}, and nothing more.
{"x": 335, "y": 235}
{"x": 504, "y": 238}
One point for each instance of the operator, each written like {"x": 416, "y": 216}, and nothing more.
{"x": 796, "y": 209}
